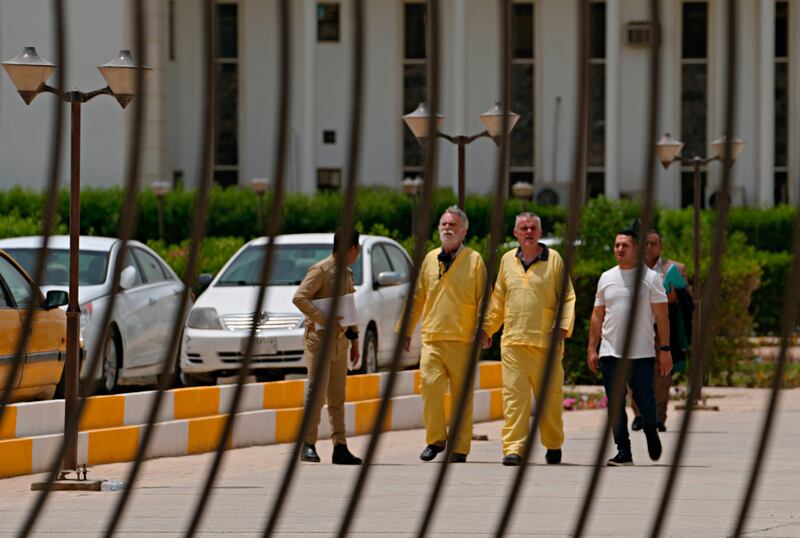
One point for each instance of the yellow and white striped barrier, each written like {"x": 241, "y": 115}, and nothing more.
{"x": 191, "y": 419}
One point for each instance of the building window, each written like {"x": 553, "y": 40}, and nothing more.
{"x": 226, "y": 106}
{"x": 415, "y": 81}
{"x": 781, "y": 103}
{"x": 327, "y": 22}
{"x": 596, "y": 146}
{"x": 171, "y": 30}
{"x": 694, "y": 91}
{"x": 522, "y": 92}
{"x": 329, "y": 179}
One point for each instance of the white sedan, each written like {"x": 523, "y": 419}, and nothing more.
{"x": 143, "y": 314}
{"x": 219, "y": 324}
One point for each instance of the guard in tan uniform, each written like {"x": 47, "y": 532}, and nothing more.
{"x": 332, "y": 374}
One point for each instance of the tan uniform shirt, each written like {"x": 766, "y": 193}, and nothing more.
{"x": 319, "y": 284}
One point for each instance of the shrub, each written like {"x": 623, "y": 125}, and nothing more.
{"x": 765, "y": 229}
{"x": 766, "y": 307}
{"x": 11, "y": 225}
{"x": 214, "y": 252}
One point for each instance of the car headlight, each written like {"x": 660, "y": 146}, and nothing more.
{"x": 204, "y": 318}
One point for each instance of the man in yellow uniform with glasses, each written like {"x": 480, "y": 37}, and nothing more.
{"x": 524, "y": 302}
{"x": 447, "y": 298}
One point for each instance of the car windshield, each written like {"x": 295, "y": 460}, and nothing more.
{"x": 290, "y": 266}
{"x": 92, "y": 265}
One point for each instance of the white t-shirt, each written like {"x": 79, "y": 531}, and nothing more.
{"x": 615, "y": 292}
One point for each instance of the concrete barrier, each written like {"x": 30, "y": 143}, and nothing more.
{"x": 191, "y": 419}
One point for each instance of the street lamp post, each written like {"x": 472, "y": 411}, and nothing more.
{"x": 260, "y": 186}
{"x": 412, "y": 187}
{"x": 29, "y": 74}
{"x": 668, "y": 150}
{"x": 160, "y": 189}
{"x": 492, "y": 119}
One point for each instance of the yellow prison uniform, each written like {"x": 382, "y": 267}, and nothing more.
{"x": 525, "y": 303}
{"x": 319, "y": 283}
{"x": 447, "y": 302}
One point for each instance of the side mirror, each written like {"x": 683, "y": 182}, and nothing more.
{"x": 204, "y": 280}
{"x": 55, "y": 298}
{"x": 390, "y": 278}
{"x": 127, "y": 278}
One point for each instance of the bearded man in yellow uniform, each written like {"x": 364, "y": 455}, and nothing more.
{"x": 524, "y": 302}
{"x": 447, "y": 298}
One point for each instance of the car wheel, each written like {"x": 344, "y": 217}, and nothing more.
{"x": 174, "y": 377}
{"x": 111, "y": 363}
{"x": 369, "y": 356}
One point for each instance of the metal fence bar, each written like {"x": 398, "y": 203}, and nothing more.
{"x": 189, "y": 277}
{"x": 275, "y": 222}
{"x": 619, "y": 383}
{"x": 788, "y": 320}
{"x": 127, "y": 223}
{"x": 347, "y": 220}
{"x": 497, "y": 221}
{"x": 712, "y": 288}
{"x": 576, "y": 198}
{"x": 50, "y": 203}
{"x": 424, "y": 218}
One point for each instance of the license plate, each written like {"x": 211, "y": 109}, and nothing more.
{"x": 263, "y": 346}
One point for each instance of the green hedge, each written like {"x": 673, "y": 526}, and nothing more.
{"x": 754, "y": 273}
{"x": 767, "y": 304}
{"x": 233, "y": 211}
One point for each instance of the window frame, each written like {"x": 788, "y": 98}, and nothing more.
{"x": 705, "y": 62}
{"x": 373, "y": 257}
{"x": 338, "y": 7}
{"x": 219, "y": 61}
{"x": 36, "y": 294}
{"x": 527, "y": 169}
{"x": 136, "y": 252}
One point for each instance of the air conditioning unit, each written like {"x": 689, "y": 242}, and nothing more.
{"x": 551, "y": 193}
{"x": 641, "y": 33}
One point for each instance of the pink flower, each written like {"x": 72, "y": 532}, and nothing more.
{"x": 569, "y": 403}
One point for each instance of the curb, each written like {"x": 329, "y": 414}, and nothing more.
{"x": 191, "y": 419}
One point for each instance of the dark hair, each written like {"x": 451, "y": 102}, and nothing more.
{"x": 655, "y": 231}
{"x": 337, "y": 238}
{"x": 630, "y": 233}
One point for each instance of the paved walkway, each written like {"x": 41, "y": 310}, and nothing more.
{"x": 706, "y": 500}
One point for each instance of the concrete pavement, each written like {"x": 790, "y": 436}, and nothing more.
{"x": 706, "y": 499}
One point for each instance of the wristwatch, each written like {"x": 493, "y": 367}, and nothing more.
{"x": 663, "y": 348}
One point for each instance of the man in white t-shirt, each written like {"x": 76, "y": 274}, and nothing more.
{"x": 610, "y": 320}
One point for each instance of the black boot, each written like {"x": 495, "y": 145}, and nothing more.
{"x": 309, "y": 453}
{"x": 342, "y": 456}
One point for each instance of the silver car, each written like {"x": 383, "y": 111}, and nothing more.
{"x": 143, "y": 314}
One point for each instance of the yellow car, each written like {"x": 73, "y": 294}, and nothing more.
{"x": 45, "y": 352}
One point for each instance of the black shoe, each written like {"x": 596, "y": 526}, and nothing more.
{"x": 621, "y": 459}
{"x": 457, "y": 457}
{"x": 512, "y": 460}
{"x": 342, "y": 456}
{"x": 309, "y": 453}
{"x": 661, "y": 426}
{"x": 653, "y": 445}
{"x": 553, "y": 456}
{"x": 637, "y": 424}
{"x": 430, "y": 452}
